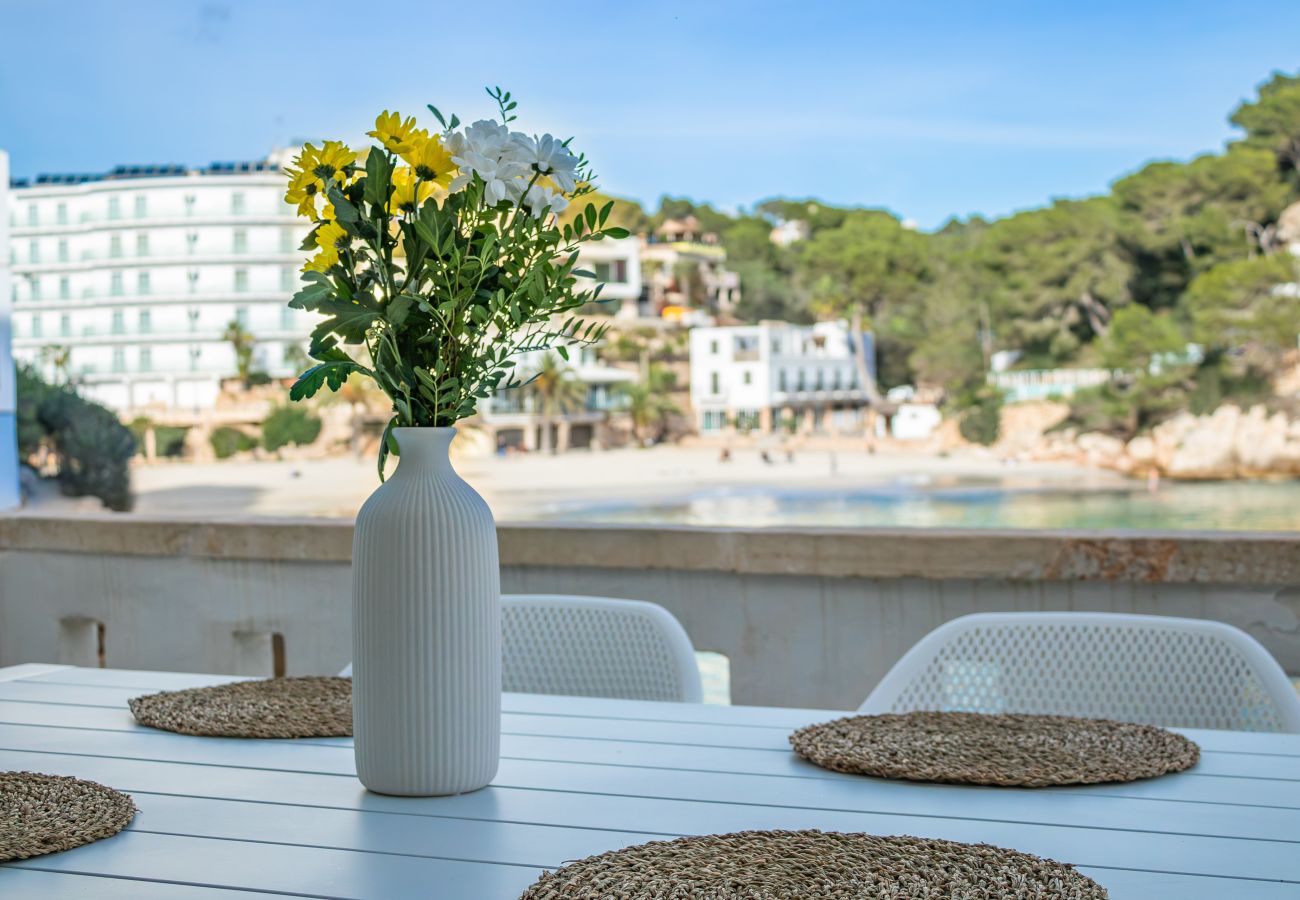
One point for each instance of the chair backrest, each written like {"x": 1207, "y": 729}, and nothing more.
{"x": 1156, "y": 670}
{"x": 595, "y": 647}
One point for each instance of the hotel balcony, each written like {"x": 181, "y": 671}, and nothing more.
{"x": 806, "y": 617}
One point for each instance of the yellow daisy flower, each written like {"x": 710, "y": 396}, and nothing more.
{"x": 394, "y": 132}
{"x": 331, "y": 161}
{"x": 302, "y": 193}
{"x": 430, "y": 160}
{"x": 409, "y": 192}
{"x": 330, "y": 238}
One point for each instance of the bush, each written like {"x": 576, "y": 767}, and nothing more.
{"x": 94, "y": 449}
{"x": 168, "y": 440}
{"x": 227, "y": 441}
{"x": 981, "y": 422}
{"x": 289, "y": 425}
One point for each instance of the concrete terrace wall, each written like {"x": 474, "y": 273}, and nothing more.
{"x": 807, "y": 617}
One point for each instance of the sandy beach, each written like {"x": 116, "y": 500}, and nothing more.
{"x": 526, "y": 486}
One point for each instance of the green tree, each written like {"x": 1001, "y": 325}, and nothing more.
{"x": 555, "y": 391}
{"x": 1138, "y": 337}
{"x": 242, "y": 342}
{"x": 1272, "y": 122}
{"x": 1248, "y": 304}
{"x": 864, "y": 270}
{"x": 650, "y": 403}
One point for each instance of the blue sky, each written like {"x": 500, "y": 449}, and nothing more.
{"x": 929, "y": 109}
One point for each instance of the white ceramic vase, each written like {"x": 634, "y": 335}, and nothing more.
{"x": 426, "y": 628}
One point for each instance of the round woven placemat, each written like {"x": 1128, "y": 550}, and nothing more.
{"x": 812, "y": 865}
{"x": 1008, "y": 750}
{"x": 270, "y": 708}
{"x": 42, "y": 814}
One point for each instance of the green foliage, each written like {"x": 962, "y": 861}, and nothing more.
{"x": 1137, "y": 337}
{"x": 1131, "y": 405}
{"x": 650, "y": 404}
{"x": 32, "y": 392}
{"x": 93, "y": 448}
{"x": 626, "y": 213}
{"x": 289, "y": 425}
{"x": 1273, "y": 121}
{"x": 981, "y": 417}
{"x": 227, "y": 441}
{"x": 241, "y": 341}
{"x": 168, "y": 440}
{"x": 1246, "y": 304}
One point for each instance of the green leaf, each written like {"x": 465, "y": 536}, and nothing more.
{"x": 379, "y": 173}
{"x": 589, "y": 214}
{"x": 437, "y": 115}
{"x": 616, "y": 232}
{"x": 333, "y": 374}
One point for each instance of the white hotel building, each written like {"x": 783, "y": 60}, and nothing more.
{"x": 134, "y": 275}
{"x": 758, "y": 377}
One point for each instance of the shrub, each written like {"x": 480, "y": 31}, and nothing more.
{"x": 289, "y": 425}
{"x": 227, "y": 441}
{"x": 981, "y": 422}
{"x": 168, "y": 440}
{"x": 94, "y": 448}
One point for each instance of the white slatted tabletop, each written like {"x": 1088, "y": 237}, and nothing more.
{"x": 223, "y": 818}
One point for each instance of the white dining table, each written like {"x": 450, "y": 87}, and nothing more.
{"x": 231, "y": 818}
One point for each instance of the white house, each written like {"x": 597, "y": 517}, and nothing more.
{"x": 131, "y": 277}
{"x": 617, "y": 265}
{"x": 767, "y": 376}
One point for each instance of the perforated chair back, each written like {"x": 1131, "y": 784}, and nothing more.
{"x": 595, "y": 647}
{"x": 1156, "y": 670}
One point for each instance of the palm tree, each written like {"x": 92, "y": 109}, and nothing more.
{"x": 241, "y": 339}
{"x": 555, "y": 390}
{"x": 649, "y": 402}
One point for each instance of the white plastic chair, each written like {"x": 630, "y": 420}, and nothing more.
{"x": 1156, "y": 670}
{"x": 594, "y": 647}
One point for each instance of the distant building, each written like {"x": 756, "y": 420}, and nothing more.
{"x": 790, "y": 232}
{"x": 768, "y": 376}
{"x": 685, "y": 268}
{"x": 127, "y": 280}
{"x": 514, "y": 418}
{"x": 617, "y": 265}
{"x": 9, "y": 494}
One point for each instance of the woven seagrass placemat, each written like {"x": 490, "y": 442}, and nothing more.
{"x": 1007, "y": 750}
{"x": 42, "y": 814}
{"x": 270, "y": 708}
{"x": 813, "y": 865}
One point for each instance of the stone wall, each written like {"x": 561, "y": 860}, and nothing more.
{"x": 807, "y": 617}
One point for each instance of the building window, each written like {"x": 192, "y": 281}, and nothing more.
{"x": 61, "y": 213}
{"x": 715, "y": 383}
{"x": 142, "y": 285}
{"x": 821, "y": 380}
{"x": 146, "y": 359}
{"x": 115, "y": 284}
{"x": 34, "y": 251}
{"x": 191, "y": 241}
{"x": 192, "y": 276}
{"x": 748, "y": 377}
{"x": 65, "y": 288}
{"x": 189, "y": 204}
{"x": 65, "y": 325}
{"x": 63, "y": 251}
{"x": 193, "y": 316}
{"x": 119, "y": 359}
{"x": 776, "y": 346}
{"x": 286, "y": 318}
{"x": 241, "y": 316}
{"x": 142, "y": 244}
{"x": 115, "y": 207}
{"x": 601, "y": 271}
{"x": 780, "y": 380}
{"x": 713, "y": 347}
{"x": 241, "y": 281}
{"x": 35, "y": 287}
{"x": 618, "y": 273}
{"x": 801, "y": 383}
{"x": 195, "y": 353}
{"x": 36, "y": 326}
{"x": 287, "y": 278}
{"x": 240, "y": 240}
{"x": 237, "y": 203}
{"x": 115, "y": 246}
{"x": 146, "y": 321}
{"x": 33, "y": 216}
{"x": 141, "y": 206}
{"x": 119, "y": 322}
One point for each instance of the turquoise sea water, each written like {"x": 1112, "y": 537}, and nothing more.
{"x": 968, "y": 503}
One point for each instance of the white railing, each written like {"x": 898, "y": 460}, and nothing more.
{"x": 807, "y": 617}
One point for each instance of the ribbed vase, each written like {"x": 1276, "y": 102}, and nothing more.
{"x": 426, "y": 628}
